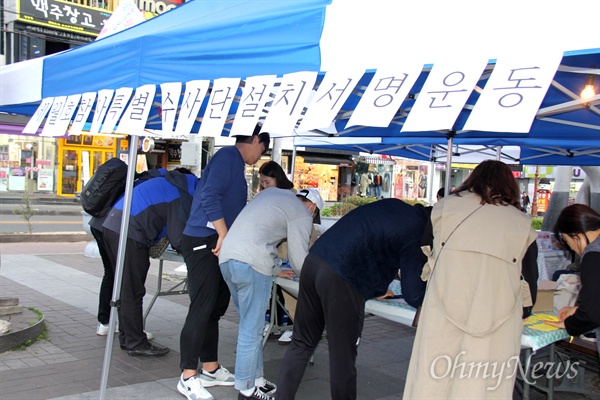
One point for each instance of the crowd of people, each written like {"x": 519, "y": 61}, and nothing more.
{"x": 467, "y": 280}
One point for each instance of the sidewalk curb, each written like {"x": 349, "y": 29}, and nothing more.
{"x": 45, "y": 237}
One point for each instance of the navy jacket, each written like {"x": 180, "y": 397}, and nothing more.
{"x": 156, "y": 209}
{"x": 368, "y": 245}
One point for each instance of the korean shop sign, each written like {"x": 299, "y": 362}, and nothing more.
{"x": 62, "y": 15}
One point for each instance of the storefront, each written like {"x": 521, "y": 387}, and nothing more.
{"x": 330, "y": 174}
{"x": 27, "y": 163}
{"x": 79, "y": 157}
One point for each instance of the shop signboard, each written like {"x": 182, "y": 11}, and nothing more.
{"x": 64, "y": 15}
{"x": 16, "y": 179}
{"x": 45, "y": 181}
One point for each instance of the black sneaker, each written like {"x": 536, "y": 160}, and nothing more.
{"x": 269, "y": 388}
{"x": 257, "y": 394}
{"x": 150, "y": 351}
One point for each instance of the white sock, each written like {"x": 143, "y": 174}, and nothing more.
{"x": 260, "y": 382}
{"x": 247, "y": 392}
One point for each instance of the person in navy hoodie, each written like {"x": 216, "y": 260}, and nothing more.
{"x": 158, "y": 208}
{"x": 353, "y": 261}
{"x": 220, "y": 196}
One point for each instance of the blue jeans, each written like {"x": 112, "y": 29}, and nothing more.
{"x": 250, "y": 292}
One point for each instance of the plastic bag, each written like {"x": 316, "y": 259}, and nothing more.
{"x": 567, "y": 290}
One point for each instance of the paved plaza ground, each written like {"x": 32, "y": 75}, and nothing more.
{"x": 56, "y": 279}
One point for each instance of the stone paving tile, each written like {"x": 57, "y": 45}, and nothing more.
{"x": 71, "y": 361}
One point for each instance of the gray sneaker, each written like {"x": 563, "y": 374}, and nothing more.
{"x": 192, "y": 388}
{"x": 222, "y": 377}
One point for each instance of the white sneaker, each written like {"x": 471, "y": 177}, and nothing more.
{"x": 285, "y": 338}
{"x": 192, "y": 389}
{"x": 222, "y": 377}
{"x": 102, "y": 329}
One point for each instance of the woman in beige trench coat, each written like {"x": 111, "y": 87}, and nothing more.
{"x": 468, "y": 339}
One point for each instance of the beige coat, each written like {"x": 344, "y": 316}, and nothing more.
{"x": 469, "y": 334}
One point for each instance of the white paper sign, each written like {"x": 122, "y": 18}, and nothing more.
{"x": 329, "y": 99}
{"x": 104, "y": 98}
{"x": 289, "y": 102}
{"x": 171, "y": 91}
{"x": 444, "y": 94}
{"x": 219, "y": 103}
{"x": 514, "y": 93}
{"x": 38, "y": 117}
{"x": 195, "y": 91}
{"x": 53, "y": 114}
{"x": 255, "y": 94}
{"x": 122, "y": 96}
{"x": 384, "y": 95}
{"x": 135, "y": 117}
{"x": 87, "y": 101}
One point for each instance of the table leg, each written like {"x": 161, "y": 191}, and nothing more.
{"x": 158, "y": 288}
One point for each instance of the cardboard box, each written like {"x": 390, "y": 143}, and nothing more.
{"x": 545, "y": 296}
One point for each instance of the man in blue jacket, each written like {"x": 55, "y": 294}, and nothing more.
{"x": 220, "y": 196}
{"x": 353, "y": 261}
{"x": 158, "y": 208}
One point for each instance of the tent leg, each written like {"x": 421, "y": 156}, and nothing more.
{"x": 133, "y": 146}
{"x": 448, "y": 167}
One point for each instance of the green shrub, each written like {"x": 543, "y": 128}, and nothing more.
{"x": 346, "y": 205}
{"x": 413, "y": 202}
{"x": 536, "y": 223}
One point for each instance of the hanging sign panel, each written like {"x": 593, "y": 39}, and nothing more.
{"x": 60, "y": 115}
{"x": 514, "y": 93}
{"x": 122, "y": 96}
{"x": 171, "y": 91}
{"x": 333, "y": 91}
{"x": 36, "y": 119}
{"x": 102, "y": 104}
{"x": 195, "y": 91}
{"x": 85, "y": 107}
{"x": 256, "y": 92}
{"x": 135, "y": 117}
{"x": 289, "y": 102}
{"x": 384, "y": 95}
{"x": 219, "y": 103}
{"x": 444, "y": 94}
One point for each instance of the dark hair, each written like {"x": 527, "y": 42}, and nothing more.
{"x": 494, "y": 182}
{"x": 576, "y": 219}
{"x": 441, "y": 192}
{"x": 263, "y": 137}
{"x": 274, "y": 170}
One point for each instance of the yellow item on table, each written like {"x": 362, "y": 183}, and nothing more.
{"x": 536, "y": 321}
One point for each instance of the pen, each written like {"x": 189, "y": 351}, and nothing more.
{"x": 571, "y": 339}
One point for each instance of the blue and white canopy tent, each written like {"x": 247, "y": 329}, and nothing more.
{"x": 207, "y": 41}
{"x": 219, "y": 67}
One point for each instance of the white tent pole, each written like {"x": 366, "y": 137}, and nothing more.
{"x": 498, "y": 153}
{"x": 448, "y": 166}
{"x": 132, "y": 161}
{"x": 430, "y": 182}
{"x": 293, "y": 163}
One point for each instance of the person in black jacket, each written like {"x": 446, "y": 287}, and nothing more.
{"x": 158, "y": 209}
{"x": 353, "y": 261}
{"x": 578, "y": 230}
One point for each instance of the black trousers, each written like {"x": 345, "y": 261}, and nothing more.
{"x": 324, "y": 299}
{"x": 209, "y": 298}
{"x": 108, "y": 280}
{"x": 133, "y": 289}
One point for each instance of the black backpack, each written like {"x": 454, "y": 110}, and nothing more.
{"x": 104, "y": 188}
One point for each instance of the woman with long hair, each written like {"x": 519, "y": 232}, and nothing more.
{"x": 578, "y": 230}
{"x": 472, "y": 312}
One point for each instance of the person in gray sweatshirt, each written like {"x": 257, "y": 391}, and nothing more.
{"x": 248, "y": 263}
